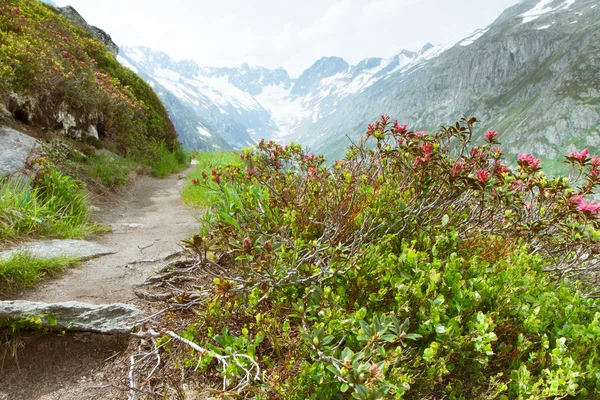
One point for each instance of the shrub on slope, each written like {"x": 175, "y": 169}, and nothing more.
{"x": 418, "y": 267}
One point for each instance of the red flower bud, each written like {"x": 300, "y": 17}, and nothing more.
{"x": 247, "y": 244}
{"x": 268, "y": 246}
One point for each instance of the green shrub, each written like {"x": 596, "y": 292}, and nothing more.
{"x": 419, "y": 266}
{"x": 22, "y": 270}
{"x": 55, "y": 205}
{"x": 196, "y": 192}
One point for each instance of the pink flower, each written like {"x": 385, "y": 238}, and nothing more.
{"x": 576, "y": 199}
{"x": 528, "y": 161}
{"x": 590, "y": 207}
{"x": 457, "y": 168}
{"x": 311, "y": 170}
{"x": 65, "y": 53}
{"x": 426, "y": 148}
{"x": 490, "y": 135}
{"x": 497, "y": 150}
{"x": 581, "y": 156}
{"x": 418, "y": 161}
{"x": 501, "y": 169}
{"x": 385, "y": 119}
{"x": 400, "y": 128}
{"x": 483, "y": 176}
{"x": 596, "y": 161}
{"x": 421, "y": 133}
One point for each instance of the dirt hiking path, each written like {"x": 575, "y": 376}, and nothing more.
{"x": 147, "y": 224}
{"x": 148, "y": 220}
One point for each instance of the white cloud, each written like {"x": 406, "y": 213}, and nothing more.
{"x": 292, "y": 34}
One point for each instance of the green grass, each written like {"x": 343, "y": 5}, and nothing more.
{"x": 109, "y": 169}
{"x": 21, "y": 270}
{"x": 170, "y": 162}
{"x": 55, "y": 206}
{"x": 199, "y": 195}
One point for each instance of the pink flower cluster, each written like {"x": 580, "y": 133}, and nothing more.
{"x": 483, "y": 176}
{"x": 580, "y": 157}
{"x": 400, "y": 128}
{"x": 490, "y": 135}
{"x": 590, "y": 207}
{"x": 527, "y": 160}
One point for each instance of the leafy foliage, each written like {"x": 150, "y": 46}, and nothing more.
{"x": 417, "y": 267}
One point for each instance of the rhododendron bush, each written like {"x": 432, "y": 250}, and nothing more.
{"x": 420, "y": 266}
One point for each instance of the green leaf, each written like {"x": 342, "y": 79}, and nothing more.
{"x": 445, "y": 220}
{"x": 333, "y": 370}
{"x": 344, "y": 387}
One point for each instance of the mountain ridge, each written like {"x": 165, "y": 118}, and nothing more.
{"x": 522, "y": 75}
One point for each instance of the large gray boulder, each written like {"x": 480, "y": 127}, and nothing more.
{"x": 17, "y": 152}
{"x": 81, "y": 249}
{"x": 75, "y": 316}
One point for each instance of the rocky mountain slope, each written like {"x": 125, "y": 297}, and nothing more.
{"x": 532, "y": 75}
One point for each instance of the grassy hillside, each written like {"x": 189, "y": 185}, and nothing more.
{"x": 50, "y": 68}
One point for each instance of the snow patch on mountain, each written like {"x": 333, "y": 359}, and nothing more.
{"x": 544, "y": 7}
{"x": 127, "y": 64}
{"x": 474, "y": 36}
{"x": 202, "y": 131}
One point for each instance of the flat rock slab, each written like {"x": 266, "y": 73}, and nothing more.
{"x": 15, "y": 149}
{"x": 81, "y": 249}
{"x": 74, "y": 316}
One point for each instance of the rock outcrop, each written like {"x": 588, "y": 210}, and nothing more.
{"x": 18, "y": 153}
{"x": 74, "y": 316}
{"x": 72, "y": 15}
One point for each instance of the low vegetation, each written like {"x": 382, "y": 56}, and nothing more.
{"x": 53, "y": 205}
{"x": 200, "y": 195}
{"x": 419, "y": 267}
{"x": 108, "y": 169}
{"x": 22, "y": 270}
{"x": 170, "y": 162}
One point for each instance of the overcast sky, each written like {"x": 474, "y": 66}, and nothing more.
{"x": 288, "y": 33}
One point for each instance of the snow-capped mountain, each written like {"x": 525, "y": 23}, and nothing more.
{"x": 239, "y": 106}
{"x": 533, "y": 74}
